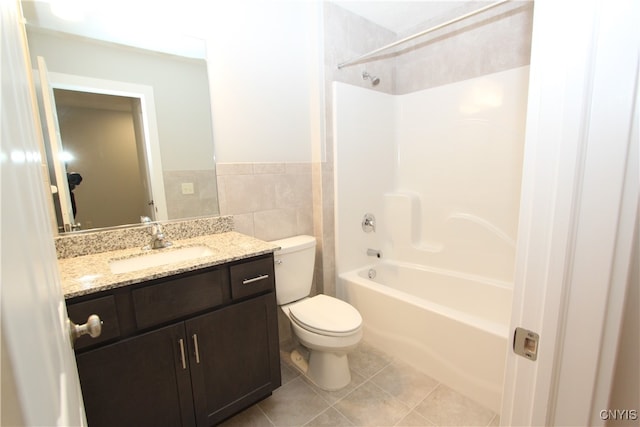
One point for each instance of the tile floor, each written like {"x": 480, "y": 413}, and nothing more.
{"x": 382, "y": 392}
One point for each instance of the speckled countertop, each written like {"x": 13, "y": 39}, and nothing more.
{"x": 91, "y": 273}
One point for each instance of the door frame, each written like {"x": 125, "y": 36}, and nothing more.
{"x": 578, "y": 211}
{"x": 149, "y": 125}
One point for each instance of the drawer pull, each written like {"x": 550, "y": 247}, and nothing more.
{"x": 255, "y": 279}
{"x": 195, "y": 347}
{"x": 182, "y": 359}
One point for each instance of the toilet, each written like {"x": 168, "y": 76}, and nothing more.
{"x": 328, "y": 327}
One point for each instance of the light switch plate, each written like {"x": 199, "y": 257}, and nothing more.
{"x": 187, "y": 188}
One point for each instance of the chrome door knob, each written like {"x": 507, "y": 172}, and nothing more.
{"x": 93, "y": 328}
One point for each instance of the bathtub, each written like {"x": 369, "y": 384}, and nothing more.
{"x": 450, "y": 326}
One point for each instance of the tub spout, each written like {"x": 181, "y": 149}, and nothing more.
{"x": 374, "y": 252}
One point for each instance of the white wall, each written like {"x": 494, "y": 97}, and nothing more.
{"x": 460, "y": 149}
{"x": 364, "y": 127}
{"x": 450, "y": 162}
{"x": 264, "y": 66}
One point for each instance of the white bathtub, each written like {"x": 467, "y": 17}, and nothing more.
{"x": 451, "y": 327}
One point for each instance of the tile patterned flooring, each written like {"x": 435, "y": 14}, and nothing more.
{"x": 382, "y": 392}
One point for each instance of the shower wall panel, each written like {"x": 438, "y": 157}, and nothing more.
{"x": 460, "y": 149}
{"x": 440, "y": 169}
{"x": 364, "y": 125}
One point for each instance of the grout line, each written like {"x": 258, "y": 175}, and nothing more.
{"x": 265, "y": 415}
{"x": 394, "y": 398}
{"x": 491, "y": 420}
{"x": 375, "y": 373}
{"x": 425, "y": 398}
{"x": 343, "y": 415}
{"x": 312, "y": 388}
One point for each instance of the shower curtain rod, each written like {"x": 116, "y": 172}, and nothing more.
{"x": 419, "y": 34}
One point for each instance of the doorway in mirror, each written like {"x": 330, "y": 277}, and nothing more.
{"x": 102, "y": 141}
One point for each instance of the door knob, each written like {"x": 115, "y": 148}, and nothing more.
{"x": 93, "y": 328}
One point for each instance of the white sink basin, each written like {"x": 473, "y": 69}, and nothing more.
{"x": 158, "y": 258}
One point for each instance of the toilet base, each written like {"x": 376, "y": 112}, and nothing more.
{"x": 329, "y": 371}
{"x": 299, "y": 361}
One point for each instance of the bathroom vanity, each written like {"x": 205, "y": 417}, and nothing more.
{"x": 183, "y": 345}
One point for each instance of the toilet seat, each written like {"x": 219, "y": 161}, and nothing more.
{"x": 326, "y": 315}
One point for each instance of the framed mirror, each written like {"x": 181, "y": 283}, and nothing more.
{"x": 179, "y": 180}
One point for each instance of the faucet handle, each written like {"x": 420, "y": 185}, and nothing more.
{"x": 145, "y": 219}
{"x": 157, "y": 231}
{"x": 368, "y": 223}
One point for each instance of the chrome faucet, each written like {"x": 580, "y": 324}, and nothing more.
{"x": 158, "y": 240}
{"x": 374, "y": 252}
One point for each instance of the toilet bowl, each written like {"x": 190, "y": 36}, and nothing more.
{"x": 327, "y": 327}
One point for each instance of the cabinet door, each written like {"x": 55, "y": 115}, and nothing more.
{"x": 141, "y": 381}
{"x": 234, "y": 357}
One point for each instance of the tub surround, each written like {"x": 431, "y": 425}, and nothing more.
{"x": 445, "y": 191}
{"x": 444, "y": 185}
{"x": 90, "y": 272}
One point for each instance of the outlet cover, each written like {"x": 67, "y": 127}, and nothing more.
{"x": 187, "y": 188}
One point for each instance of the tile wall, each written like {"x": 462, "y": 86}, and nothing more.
{"x": 492, "y": 41}
{"x": 204, "y": 199}
{"x": 267, "y": 200}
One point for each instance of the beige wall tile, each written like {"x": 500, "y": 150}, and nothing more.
{"x": 268, "y": 168}
{"x": 269, "y": 200}
{"x": 204, "y": 200}
{"x": 298, "y": 168}
{"x": 249, "y": 193}
{"x": 275, "y": 224}
{"x": 234, "y": 168}
{"x": 243, "y": 223}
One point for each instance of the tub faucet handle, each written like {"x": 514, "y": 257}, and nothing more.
{"x": 368, "y": 223}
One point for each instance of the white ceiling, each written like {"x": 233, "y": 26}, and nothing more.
{"x": 401, "y": 16}
{"x": 98, "y": 17}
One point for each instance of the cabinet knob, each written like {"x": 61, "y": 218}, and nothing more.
{"x": 93, "y": 328}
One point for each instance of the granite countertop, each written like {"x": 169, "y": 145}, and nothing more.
{"x": 89, "y": 274}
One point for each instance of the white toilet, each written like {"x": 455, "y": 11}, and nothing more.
{"x": 328, "y": 327}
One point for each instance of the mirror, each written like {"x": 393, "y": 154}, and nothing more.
{"x": 178, "y": 80}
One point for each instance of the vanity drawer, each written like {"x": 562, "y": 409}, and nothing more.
{"x": 179, "y": 297}
{"x": 105, "y": 308}
{"x": 252, "y": 277}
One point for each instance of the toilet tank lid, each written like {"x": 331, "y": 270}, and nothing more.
{"x": 295, "y": 243}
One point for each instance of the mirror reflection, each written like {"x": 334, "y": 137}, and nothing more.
{"x": 174, "y": 162}
{"x": 106, "y": 168}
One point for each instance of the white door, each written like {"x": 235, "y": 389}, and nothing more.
{"x": 35, "y": 337}
{"x": 578, "y": 210}
{"x": 51, "y": 131}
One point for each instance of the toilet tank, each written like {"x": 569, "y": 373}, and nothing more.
{"x": 294, "y": 264}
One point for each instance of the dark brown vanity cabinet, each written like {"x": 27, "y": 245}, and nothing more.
{"x": 179, "y": 359}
